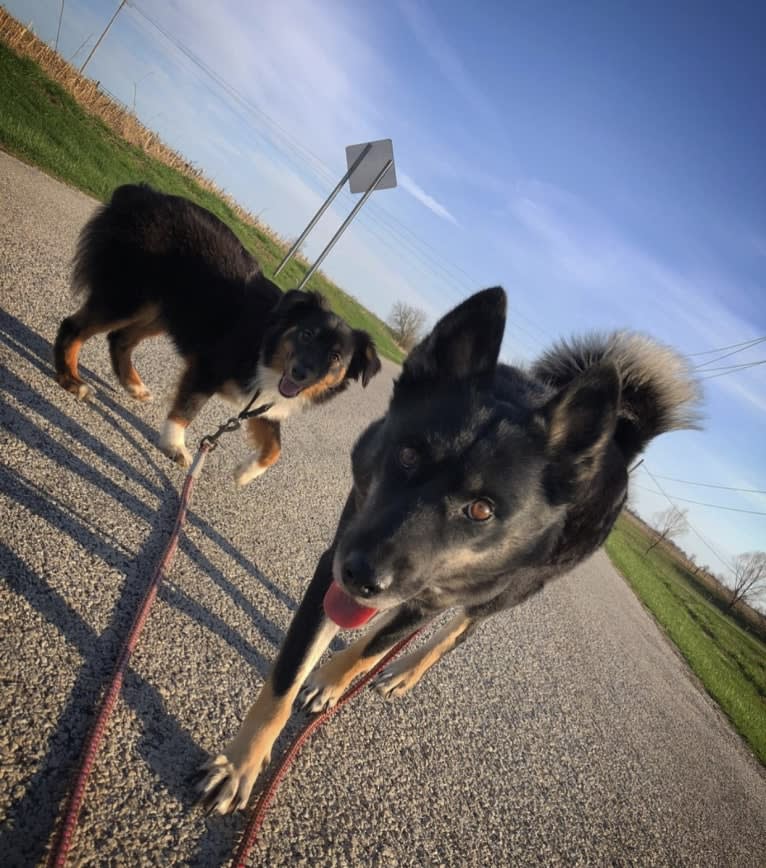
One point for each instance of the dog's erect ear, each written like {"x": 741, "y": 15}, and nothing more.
{"x": 296, "y": 300}
{"x": 464, "y": 344}
{"x": 582, "y": 417}
{"x": 364, "y": 362}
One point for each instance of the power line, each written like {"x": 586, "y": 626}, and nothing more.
{"x": 742, "y": 349}
{"x": 731, "y": 369}
{"x": 734, "y": 367}
{"x": 691, "y": 527}
{"x": 82, "y": 45}
{"x": 103, "y": 34}
{"x": 700, "y": 503}
{"x": 58, "y": 29}
{"x": 711, "y": 485}
{"x": 729, "y": 347}
{"x": 710, "y": 548}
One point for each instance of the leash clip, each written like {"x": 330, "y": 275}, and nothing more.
{"x": 210, "y": 441}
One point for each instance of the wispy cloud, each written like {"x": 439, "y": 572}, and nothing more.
{"x": 558, "y": 237}
{"x": 334, "y": 79}
{"x": 431, "y": 38}
{"x": 420, "y": 194}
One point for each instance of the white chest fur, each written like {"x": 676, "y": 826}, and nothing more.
{"x": 267, "y": 381}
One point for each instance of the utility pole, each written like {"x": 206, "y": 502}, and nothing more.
{"x": 98, "y": 41}
{"x": 58, "y": 29}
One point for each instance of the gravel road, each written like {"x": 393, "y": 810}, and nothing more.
{"x": 565, "y": 732}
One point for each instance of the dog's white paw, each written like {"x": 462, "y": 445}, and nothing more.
{"x": 179, "y": 454}
{"x": 226, "y": 786}
{"x": 139, "y": 392}
{"x": 247, "y": 471}
{"x": 172, "y": 443}
{"x": 317, "y": 696}
{"x": 395, "y": 680}
{"x": 81, "y": 391}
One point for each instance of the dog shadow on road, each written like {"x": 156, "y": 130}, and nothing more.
{"x": 31, "y": 817}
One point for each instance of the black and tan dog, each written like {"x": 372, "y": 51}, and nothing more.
{"x": 481, "y": 483}
{"x": 150, "y": 263}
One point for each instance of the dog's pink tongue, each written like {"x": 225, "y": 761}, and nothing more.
{"x": 346, "y": 613}
{"x": 288, "y": 388}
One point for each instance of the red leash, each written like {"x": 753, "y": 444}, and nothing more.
{"x": 63, "y": 842}
{"x": 253, "y": 827}
{"x": 65, "y": 835}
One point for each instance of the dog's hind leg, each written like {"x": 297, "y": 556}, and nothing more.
{"x": 325, "y": 686}
{"x": 122, "y": 342}
{"x": 72, "y": 334}
{"x": 403, "y": 674}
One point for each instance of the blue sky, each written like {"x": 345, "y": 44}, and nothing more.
{"x": 603, "y": 161}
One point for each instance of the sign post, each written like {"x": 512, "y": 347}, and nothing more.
{"x": 370, "y": 167}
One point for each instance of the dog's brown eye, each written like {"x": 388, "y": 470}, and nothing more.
{"x": 480, "y": 510}
{"x": 334, "y": 358}
{"x": 408, "y": 457}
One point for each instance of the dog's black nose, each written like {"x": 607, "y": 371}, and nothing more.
{"x": 359, "y": 576}
{"x": 299, "y": 373}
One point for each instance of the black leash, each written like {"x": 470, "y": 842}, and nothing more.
{"x": 235, "y": 422}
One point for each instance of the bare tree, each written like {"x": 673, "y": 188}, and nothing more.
{"x": 668, "y": 524}
{"x": 749, "y": 576}
{"x": 406, "y": 324}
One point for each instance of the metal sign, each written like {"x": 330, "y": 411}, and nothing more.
{"x": 364, "y": 174}
{"x": 370, "y": 167}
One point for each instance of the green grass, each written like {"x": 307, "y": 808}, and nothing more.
{"x": 730, "y": 662}
{"x": 43, "y": 125}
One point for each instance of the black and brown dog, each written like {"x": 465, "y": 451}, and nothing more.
{"x": 150, "y": 263}
{"x": 482, "y": 483}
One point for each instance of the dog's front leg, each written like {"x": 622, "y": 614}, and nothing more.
{"x": 191, "y": 397}
{"x": 325, "y": 686}
{"x": 403, "y": 674}
{"x": 265, "y": 436}
{"x": 231, "y": 775}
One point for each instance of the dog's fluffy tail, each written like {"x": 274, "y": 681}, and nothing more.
{"x": 87, "y": 251}
{"x": 659, "y": 392}
{"x": 93, "y": 243}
